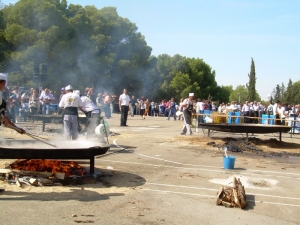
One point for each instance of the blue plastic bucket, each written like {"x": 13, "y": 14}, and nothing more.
{"x": 229, "y": 119}
{"x": 237, "y": 119}
{"x": 266, "y": 119}
{"x": 229, "y": 162}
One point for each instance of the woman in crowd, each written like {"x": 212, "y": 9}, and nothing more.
{"x": 33, "y": 104}
{"x": 147, "y": 105}
{"x": 143, "y": 106}
{"x": 16, "y": 103}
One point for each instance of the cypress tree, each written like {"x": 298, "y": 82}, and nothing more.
{"x": 252, "y": 82}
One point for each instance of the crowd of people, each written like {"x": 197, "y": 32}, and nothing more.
{"x": 33, "y": 102}
{"x": 253, "y": 111}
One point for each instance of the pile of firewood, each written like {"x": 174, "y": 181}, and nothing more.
{"x": 232, "y": 196}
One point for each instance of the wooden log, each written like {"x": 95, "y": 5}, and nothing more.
{"x": 232, "y": 196}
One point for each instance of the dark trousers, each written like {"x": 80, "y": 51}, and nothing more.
{"x": 255, "y": 114}
{"x": 246, "y": 117}
{"x": 124, "y": 114}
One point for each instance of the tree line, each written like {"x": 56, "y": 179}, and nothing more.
{"x": 86, "y": 46}
{"x": 289, "y": 94}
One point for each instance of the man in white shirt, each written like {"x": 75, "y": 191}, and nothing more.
{"x": 91, "y": 111}
{"x": 187, "y": 106}
{"x": 46, "y": 98}
{"x": 200, "y": 110}
{"x": 255, "y": 111}
{"x": 124, "y": 100}
{"x": 246, "y": 111}
{"x": 276, "y": 112}
{"x": 70, "y": 102}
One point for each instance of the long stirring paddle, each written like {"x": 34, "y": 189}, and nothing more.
{"x": 30, "y": 135}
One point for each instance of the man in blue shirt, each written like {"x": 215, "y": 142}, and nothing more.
{"x": 172, "y": 109}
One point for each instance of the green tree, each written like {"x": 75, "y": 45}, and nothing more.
{"x": 222, "y": 93}
{"x": 83, "y": 46}
{"x": 277, "y": 93}
{"x": 252, "y": 83}
{"x": 240, "y": 94}
{"x": 288, "y": 97}
{"x": 295, "y": 93}
{"x": 179, "y": 83}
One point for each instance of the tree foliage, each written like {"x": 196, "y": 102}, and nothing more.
{"x": 252, "y": 83}
{"x": 86, "y": 46}
{"x": 82, "y": 46}
{"x": 290, "y": 95}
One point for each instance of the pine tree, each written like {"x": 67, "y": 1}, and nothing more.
{"x": 252, "y": 82}
{"x": 288, "y": 93}
{"x": 277, "y": 93}
{"x": 282, "y": 93}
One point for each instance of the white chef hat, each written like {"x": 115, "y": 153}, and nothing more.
{"x": 191, "y": 94}
{"x": 76, "y": 92}
{"x": 2, "y": 76}
{"x": 69, "y": 87}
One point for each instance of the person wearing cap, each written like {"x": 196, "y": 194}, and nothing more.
{"x": 70, "y": 102}
{"x": 124, "y": 100}
{"x": 3, "y": 117}
{"x": 91, "y": 111}
{"x": 187, "y": 107}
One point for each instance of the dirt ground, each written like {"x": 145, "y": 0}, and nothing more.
{"x": 153, "y": 175}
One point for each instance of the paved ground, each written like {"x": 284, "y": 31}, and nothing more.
{"x": 152, "y": 178}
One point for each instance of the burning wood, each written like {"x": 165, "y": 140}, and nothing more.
{"x": 62, "y": 168}
{"x": 232, "y": 196}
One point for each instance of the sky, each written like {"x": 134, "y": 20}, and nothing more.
{"x": 226, "y": 34}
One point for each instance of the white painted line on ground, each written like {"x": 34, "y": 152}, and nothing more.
{"x": 273, "y": 203}
{"x": 214, "y": 196}
{"x": 197, "y": 169}
{"x": 176, "y": 192}
{"x": 215, "y": 190}
{"x": 147, "y": 156}
{"x": 267, "y": 171}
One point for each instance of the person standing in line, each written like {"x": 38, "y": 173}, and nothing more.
{"x": 107, "y": 102}
{"x": 46, "y": 99}
{"x": 70, "y": 102}
{"x": 147, "y": 105}
{"x": 187, "y": 106}
{"x": 99, "y": 102}
{"x": 152, "y": 106}
{"x": 281, "y": 112}
{"x": 276, "y": 112}
{"x": 255, "y": 111}
{"x": 16, "y": 100}
{"x": 172, "y": 109}
{"x": 246, "y": 111}
{"x": 132, "y": 105}
{"x": 33, "y": 104}
{"x": 143, "y": 106}
{"x": 124, "y": 100}
{"x": 137, "y": 107}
